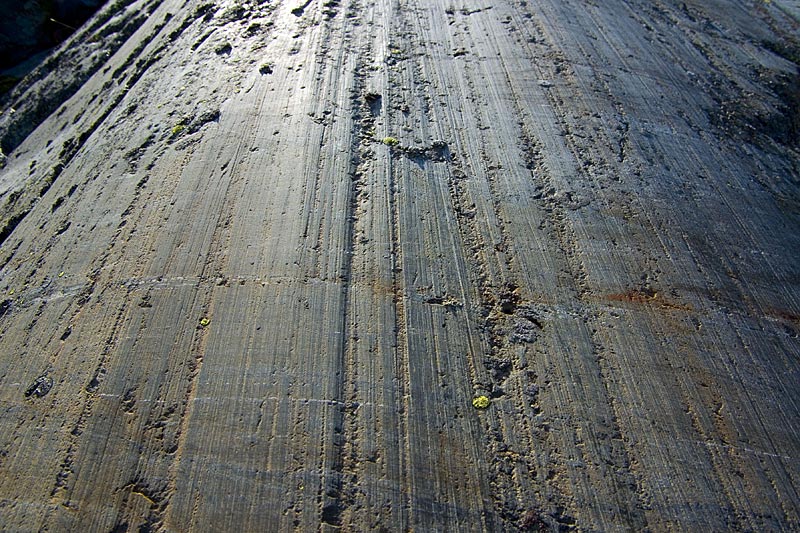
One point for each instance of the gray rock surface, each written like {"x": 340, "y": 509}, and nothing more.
{"x": 257, "y": 259}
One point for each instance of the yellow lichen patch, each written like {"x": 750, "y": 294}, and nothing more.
{"x": 204, "y": 322}
{"x": 480, "y": 402}
{"x": 390, "y": 141}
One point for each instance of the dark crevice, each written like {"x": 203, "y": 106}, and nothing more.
{"x": 299, "y": 10}
{"x": 11, "y": 225}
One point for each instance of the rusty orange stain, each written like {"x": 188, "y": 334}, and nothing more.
{"x": 647, "y": 297}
